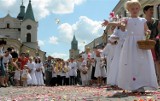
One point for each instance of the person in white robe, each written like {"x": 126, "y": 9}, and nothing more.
{"x": 67, "y": 69}
{"x": 87, "y": 57}
{"x": 108, "y": 53}
{"x": 119, "y": 35}
{"x": 73, "y": 71}
{"x": 83, "y": 72}
{"x": 93, "y": 65}
{"x": 100, "y": 71}
{"x": 39, "y": 72}
{"x": 136, "y": 70}
{"x": 103, "y": 70}
{"x": 32, "y": 70}
{"x": 26, "y": 77}
{"x": 54, "y": 76}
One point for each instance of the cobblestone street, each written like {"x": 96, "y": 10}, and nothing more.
{"x": 71, "y": 93}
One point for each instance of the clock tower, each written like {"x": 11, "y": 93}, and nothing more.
{"x": 74, "y": 51}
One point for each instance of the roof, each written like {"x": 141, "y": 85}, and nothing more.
{"x": 22, "y": 12}
{"x": 29, "y": 13}
{"x": 74, "y": 39}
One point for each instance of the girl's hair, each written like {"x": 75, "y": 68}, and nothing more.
{"x": 130, "y": 3}
{"x": 37, "y": 60}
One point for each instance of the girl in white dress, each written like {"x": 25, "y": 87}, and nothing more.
{"x": 103, "y": 70}
{"x": 32, "y": 69}
{"x": 119, "y": 35}
{"x": 99, "y": 69}
{"x": 39, "y": 72}
{"x": 26, "y": 77}
{"x": 108, "y": 53}
{"x": 136, "y": 69}
{"x": 83, "y": 71}
{"x": 87, "y": 57}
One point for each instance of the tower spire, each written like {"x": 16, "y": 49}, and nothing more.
{"x": 74, "y": 44}
{"x": 29, "y": 13}
{"x": 22, "y": 12}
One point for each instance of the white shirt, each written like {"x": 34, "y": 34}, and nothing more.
{"x": 73, "y": 70}
{"x": 7, "y": 59}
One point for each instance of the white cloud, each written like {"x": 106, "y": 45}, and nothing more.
{"x": 66, "y": 32}
{"x": 41, "y": 8}
{"x": 40, "y": 43}
{"x": 60, "y": 55}
{"x": 53, "y": 40}
{"x": 85, "y": 30}
{"x": 78, "y": 1}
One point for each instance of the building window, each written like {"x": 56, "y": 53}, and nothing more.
{"x": 8, "y": 25}
{"x": 158, "y": 11}
{"x": 28, "y": 38}
{"x": 29, "y": 27}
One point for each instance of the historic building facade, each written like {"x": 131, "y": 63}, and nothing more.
{"x": 74, "y": 51}
{"x": 21, "y": 32}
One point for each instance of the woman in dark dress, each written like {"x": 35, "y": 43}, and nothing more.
{"x": 154, "y": 26}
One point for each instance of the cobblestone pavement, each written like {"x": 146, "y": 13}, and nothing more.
{"x": 71, "y": 93}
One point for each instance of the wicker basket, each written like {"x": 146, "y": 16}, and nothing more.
{"x": 146, "y": 44}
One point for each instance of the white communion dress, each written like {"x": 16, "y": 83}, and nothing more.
{"x": 136, "y": 67}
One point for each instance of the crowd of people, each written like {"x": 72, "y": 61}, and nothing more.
{"x": 24, "y": 70}
{"x": 121, "y": 64}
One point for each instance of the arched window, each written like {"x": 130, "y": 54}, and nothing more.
{"x": 8, "y": 25}
{"x": 28, "y": 38}
{"x": 158, "y": 11}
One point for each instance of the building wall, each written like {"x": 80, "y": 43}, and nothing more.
{"x": 18, "y": 30}
{"x": 14, "y": 27}
{"x": 33, "y": 30}
{"x": 96, "y": 42}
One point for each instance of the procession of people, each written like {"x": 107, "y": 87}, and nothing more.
{"x": 121, "y": 64}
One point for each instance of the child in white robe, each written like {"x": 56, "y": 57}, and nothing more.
{"x": 119, "y": 35}
{"x": 39, "y": 72}
{"x": 73, "y": 72}
{"x": 67, "y": 73}
{"x": 25, "y": 76}
{"x": 136, "y": 69}
{"x": 54, "y": 76}
{"x": 103, "y": 70}
{"x": 87, "y": 57}
{"x": 32, "y": 69}
{"x": 99, "y": 70}
{"x": 108, "y": 53}
{"x": 83, "y": 72}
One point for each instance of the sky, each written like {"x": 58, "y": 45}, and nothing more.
{"x": 81, "y": 18}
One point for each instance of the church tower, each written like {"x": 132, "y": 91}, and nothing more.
{"x": 28, "y": 27}
{"x": 22, "y": 12}
{"x": 74, "y": 51}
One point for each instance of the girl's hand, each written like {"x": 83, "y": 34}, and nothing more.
{"x": 148, "y": 32}
{"x": 105, "y": 23}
